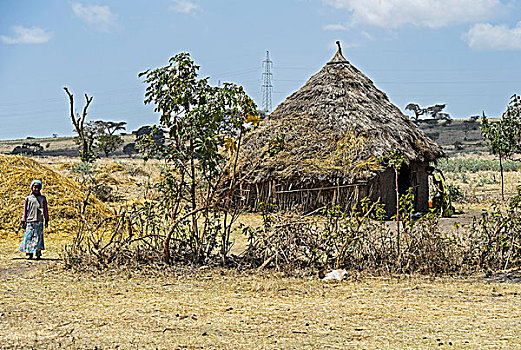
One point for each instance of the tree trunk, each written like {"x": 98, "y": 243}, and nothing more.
{"x": 227, "y": 228}
{"x": 195, "y": 231}
{"x": 79, "y": 124}
{"x": 502, "y": 182}
{"x": 397, "y": 214}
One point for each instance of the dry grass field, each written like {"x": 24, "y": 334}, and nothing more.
{"x": 53, "y": 146}
{"x": 44, "y": 306}
{"x": 481, "y": 188}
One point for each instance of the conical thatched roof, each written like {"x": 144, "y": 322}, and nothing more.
{"x": 336, "y": 127}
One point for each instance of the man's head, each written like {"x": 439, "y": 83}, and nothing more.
{"x": 429, "y": 169}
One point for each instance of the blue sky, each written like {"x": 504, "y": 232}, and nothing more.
{"x": 465, "y": 53}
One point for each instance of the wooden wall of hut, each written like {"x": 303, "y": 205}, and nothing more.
{"x": 422, "y": 186}
{"x": 417, "y": 179}
{"x": 305, "y": 198}
{"x": 386, "y": 192}
{"x": 312, "y": 196}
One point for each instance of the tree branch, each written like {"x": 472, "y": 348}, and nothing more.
{"x": 84, "y": 114}
{"x": 71, "y": 102}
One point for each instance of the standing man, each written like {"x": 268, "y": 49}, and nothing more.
{"x": 440, "y": 196}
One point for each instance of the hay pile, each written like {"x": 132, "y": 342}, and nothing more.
{"x": 64, "y": 196}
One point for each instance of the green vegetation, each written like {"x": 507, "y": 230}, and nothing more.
{"x": 464, "y": 165}
{"x": 201, "y": 121}
{"x": 504, "y": 135}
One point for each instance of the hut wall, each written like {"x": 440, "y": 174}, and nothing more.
{"x": 387, "y": 191}
{"x": 312, "y": 196}
{"x": 418, "y": 181}
{"x": 421, "y": 185}
{"x": 305, "y": 197}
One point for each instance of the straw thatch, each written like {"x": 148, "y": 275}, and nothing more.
{"x": 65, "y": 196}
{"x": 333, "y": 131}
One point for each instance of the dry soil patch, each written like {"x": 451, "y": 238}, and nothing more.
{"x": 44, "y": 307}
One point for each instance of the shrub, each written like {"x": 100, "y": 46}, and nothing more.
{"x": 357, "y": 240}
{"x": 130, "y": 148}
{"x": 455, "y": 192}
{"x": 27, "y": 148}
{"x": 495, "y": 237}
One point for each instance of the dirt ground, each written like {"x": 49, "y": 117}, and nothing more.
{"x": 43, "y": 306}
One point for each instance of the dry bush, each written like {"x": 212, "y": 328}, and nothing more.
{"x": 100, "y": 179}
{"x": 429, "y": 250}
{"x": 361, "y": 240}
{"x": 129, "y": 238}
{"x": 142, "y": 233}
{"x": 358, "y": 240}
{"x": 494, "y": 239}
{"x": 287, "y": 241}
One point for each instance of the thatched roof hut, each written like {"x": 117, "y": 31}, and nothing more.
{"x": 323, "y": 145}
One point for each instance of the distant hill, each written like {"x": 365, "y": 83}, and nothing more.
{"x": 460, "y": 136}
{"x": 55, "y": 146}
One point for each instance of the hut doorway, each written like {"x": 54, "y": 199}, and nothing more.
{"x": 404, "y": 179}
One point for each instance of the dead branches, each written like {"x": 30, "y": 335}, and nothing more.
{"x": 78, "y": 121}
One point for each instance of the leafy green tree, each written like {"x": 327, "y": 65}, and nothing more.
{"x": 98, "y": 136}
{"x": 149, "y": 138}
{"x": 108, "y": 143}
{"x": 111, "y": 127}
{"x": 202, "y": 121}
{"x": 105, "y": 139}
{"x": 28, "y": 148}
{"x": 91, "y": 131}
{"x": 433, "y": 111}
{"x": 416, "y": 109}
{"x": 504, "y": 136}
{"x": 129, "y": 149}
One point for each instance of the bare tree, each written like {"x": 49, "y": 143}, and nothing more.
{"x": 86, "y": 152}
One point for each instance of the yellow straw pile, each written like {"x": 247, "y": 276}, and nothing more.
{"x": 64, "y": 196}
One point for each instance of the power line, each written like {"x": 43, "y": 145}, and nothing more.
{"x": 451, "y": 82}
